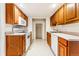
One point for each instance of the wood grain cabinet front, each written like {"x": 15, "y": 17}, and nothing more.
{"x": 62, "y": 47}
{"x": 68, "y": 48}
{"x": 12, "y": 45}
{"x": 53, "y": 21}
{"x": 15, "y": 45}
{"x": 67, "y": 13}
{"x": 71, "y": 11}
{"x": 10, "y": 13}
{"x": 49, "y": 39}
{"x": 61, "y": 16}
{"x": 62, "y": 50}
{"x": 13, "y": 13}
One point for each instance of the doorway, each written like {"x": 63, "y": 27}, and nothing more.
{"x": 38, "y": 31}
{"x": 39, "y": 28}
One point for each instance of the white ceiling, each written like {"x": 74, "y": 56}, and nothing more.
{"x": 39, "y": 9}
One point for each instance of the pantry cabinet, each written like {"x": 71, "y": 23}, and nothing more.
{"x": 15, "y": 45}
{"x": 13, "y": 13}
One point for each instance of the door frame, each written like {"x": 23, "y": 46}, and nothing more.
{"x": 39, "y": 21}
{"x": 42, "y": 30}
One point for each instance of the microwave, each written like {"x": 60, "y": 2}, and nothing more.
{"x": 22, "y": 21}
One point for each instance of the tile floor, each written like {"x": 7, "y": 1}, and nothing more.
{"x": 39, "y": 48}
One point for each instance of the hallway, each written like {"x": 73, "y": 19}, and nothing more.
{"x": 39, "y": 48}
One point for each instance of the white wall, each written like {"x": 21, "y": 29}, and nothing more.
{"x": 2, "y": 30}
{"x": 29, "y": 24}
{"x": 48, "y": 28}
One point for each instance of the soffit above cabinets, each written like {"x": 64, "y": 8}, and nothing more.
{"x": 39, "y": 9}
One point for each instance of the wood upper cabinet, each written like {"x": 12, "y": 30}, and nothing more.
{"x": 53, "y": 20}
{"x": 10, "y": 13}
{"x": 60, "y": 16}
{"x": 71, "y": 11}
{"x": 77, "y": 10}
{"x": 15, "y": 45}
{"x": 67, "y": 13}
{"x": 16, "y": 14}
{"x": 13, "y": 13}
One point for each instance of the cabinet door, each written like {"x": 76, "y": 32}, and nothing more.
{"x": 24, "y": 43}
{"x": 54, "y": 20}
{"x": 17, "y": 15}
{"x": 12, "y": 45}
{"x": 62, "y": 50}
{"x": 61, "y": 16}
{"x": 20, "y": 45}
{"x": 49, "y": 39}
{"x": 9, "y": 13}
{"x": 71, "y": 11}
{"x": 78, "y": 10}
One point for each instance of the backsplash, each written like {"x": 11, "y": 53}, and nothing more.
{"x": 15, "y": 28}
{"x": 8, "y": 28}
{"x": 68, "y": 27}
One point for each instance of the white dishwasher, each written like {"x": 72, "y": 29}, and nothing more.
{"x": 54, "y": 43}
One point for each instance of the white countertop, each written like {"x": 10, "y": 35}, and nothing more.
{"x": 15, "y": 33}
{"x": 67, "y": 36}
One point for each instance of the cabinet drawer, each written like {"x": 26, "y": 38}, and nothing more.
{"x": 63, "y": 41}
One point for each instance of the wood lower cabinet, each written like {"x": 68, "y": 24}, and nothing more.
{"x": 62, "y": 50}
{"x": 12, "y": 45}
{"x": 49, "y": 39}
{"x": 15, "y": 45}
{"x": 62, "y": 47}
{"x": 24, "y": 44}
{"x": 68, "y": 48}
